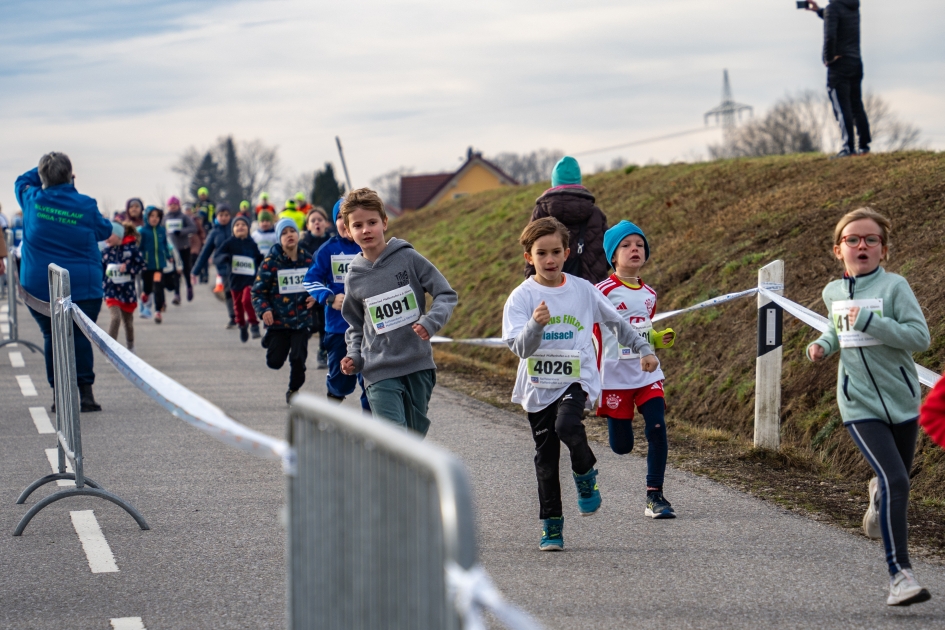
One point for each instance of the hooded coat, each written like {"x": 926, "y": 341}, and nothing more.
{"x": 574, "y": 206}
{"x": 841, "y": 29}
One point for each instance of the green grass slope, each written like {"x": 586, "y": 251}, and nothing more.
{"x": 710, "y": 227}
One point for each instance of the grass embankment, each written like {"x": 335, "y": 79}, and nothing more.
{"x": 710, "y": 227}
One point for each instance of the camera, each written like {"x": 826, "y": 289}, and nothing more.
{"x": 801, "y": 4}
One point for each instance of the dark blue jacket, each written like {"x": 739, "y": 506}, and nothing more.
{"x": 129, "y": 255}
{"x": 215, "y": 239}
{"x": 64, "y": 227}
{"x": 320, "y": 283}
{"x": 288, "y": 310}
{"x": 153, "y": 246}
{"x": 223, "y": 259}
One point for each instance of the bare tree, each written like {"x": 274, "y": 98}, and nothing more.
{"x": 888, "y": 131}
{"x": 528, "y": 168}
{"x": 258, "y": 164}
{"x": 300, "y": 183}
{"x": 388, "y": 185}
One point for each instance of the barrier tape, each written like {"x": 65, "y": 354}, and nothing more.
{"x": 472, "y": 592}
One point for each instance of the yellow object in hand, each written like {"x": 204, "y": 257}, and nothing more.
{"x": 657, "y": 338}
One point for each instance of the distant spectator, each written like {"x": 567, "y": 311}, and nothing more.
{"x": 573, "y": 204}
{"x": 63, "y": 227}
{"x": 264, "y": 205}
{"x": 133, "y": 213}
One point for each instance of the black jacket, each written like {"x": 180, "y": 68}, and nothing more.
{"x": 841, "y": 29}
{"x": 245, "y": 247}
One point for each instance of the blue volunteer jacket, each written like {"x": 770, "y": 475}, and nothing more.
{"x": 60, "y": 226}
{"x": 320, "y": 284}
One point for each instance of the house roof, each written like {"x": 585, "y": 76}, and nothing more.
{"x": 415, "y": 190}
{"x": 471, "y": 160}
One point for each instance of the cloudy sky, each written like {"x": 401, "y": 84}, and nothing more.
{"x": 125, "y": 87}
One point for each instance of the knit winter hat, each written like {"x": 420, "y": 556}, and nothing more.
{"x": 336, "y": 210}
{"x": 300, "y": 196}
{"x": 290, "y": 204}
{"x": 566, "y": 171}
{"x": 616, "y": 234}
{"x": 118, "y": 229}
{"x": 240, "y": 217}
{"x": 172, "y": 200}
{"x": 285, "y": 223}
{"x": 244, "y": 205}
{"x": 203, "y": 191}
{"x": 149, "y": 210}
{"x": 265, "y": 215}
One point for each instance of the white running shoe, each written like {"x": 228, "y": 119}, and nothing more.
{"x": 871, "y": 518}
{"x": 904, "y": 590}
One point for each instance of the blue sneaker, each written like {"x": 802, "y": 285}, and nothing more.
{"x": 552, "y": 537}
{"x": 145, "y": 311}
{"x": 588, "y": 492}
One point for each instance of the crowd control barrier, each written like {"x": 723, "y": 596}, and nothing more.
{"x": 381, "y": 529}
{"x": 68, "y": 426}
{"x": 12, "y": 286}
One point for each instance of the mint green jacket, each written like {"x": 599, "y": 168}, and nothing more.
{"x": 878, "y": 382}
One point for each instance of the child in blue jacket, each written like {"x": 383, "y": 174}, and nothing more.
{"x": 123, "y": 261}
{"x": 325, "y": 281}
{"x": 154, "y": 250}
{"x": 241, "y": 256}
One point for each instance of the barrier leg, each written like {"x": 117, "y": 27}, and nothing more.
{"x": 71, "y": 492}
{"x": 32, "y": 346}
{"x": 768, "y": 363}
{"x": 49, "y": 479}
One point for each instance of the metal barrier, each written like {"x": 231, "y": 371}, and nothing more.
{"x": 68, "y": 429}
{"x": 381, "y": 529}
{"x": 12, "y": 285}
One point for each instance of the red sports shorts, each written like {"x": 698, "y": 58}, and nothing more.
{"x": 619, "y": 403}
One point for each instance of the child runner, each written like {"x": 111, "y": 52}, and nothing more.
{"x": 389, "y": 338}
{"x": 220, "y": 232}
{"x": 154, "y": 249}
{"x": 180, "y": 227}
{"x": 877, "y": 325}
{"x": 241, "y": 256}
{"x": 291, "y": 212}
{"x": 623, "y": 383}
{"x": 281, "y": 301}
{"x": 123, "y": 261}
{"x": 265, "y": 233}
{"x": 325, "y": 281}
{"x": 316, "y": 223}
{"x": 547, "y": 322}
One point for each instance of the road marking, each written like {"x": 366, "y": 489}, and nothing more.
{"x": 16, "y": 359}
{"x": 3, "y": 317}
{"x": 93, "y": 542}
{"x": 128, "y": 623}
{"x": 26, "y": 385}
{"x": 5, "y": 329}
{"x": 41, "y": 420}
{"x": 52, "y": 454}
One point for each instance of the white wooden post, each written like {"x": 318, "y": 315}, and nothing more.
{"x": 768, "y": 362}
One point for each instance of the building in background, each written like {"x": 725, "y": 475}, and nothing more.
{"x": 474, "y": 176}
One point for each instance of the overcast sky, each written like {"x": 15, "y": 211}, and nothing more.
{"x": 125, "y": 87}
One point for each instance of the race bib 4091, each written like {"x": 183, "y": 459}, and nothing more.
{"x": 392, "y": 310}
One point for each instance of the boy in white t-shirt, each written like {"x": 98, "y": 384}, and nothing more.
{"x": 623, "y": 383}
{"x": 548, "y": 322}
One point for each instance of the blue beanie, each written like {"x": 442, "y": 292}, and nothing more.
{"x": 285, "y": 223}
{"x": 616, "y": 234}
{"x": 336, "y": 211}
{"x": 118, "y": 229}
{"x": 566, "y": 171}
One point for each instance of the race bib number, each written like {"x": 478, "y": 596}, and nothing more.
{"x": 174, "y": 225}
{"x": 116, "y": 275}
{"x": 339, "y": 267}
{"x": 18, "y": 235}
{"x": 290, "y": 281}
{"x": 243, "y": 266}
{"x": 553, "y": 369}
{"x": 848, "y": 337}
{"x": 169, "y": 265}
{"x": 392, "y": 310}
{"x": 643, "y": 328}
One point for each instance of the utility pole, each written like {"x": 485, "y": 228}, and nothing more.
{"x": 728, "y": 110}
{"x": 343, "y": 165}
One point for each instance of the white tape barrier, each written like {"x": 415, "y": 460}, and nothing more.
{"x": 472, "y": 592}
{"x": 926, "y": 376}
{"x": 180, "y": 401}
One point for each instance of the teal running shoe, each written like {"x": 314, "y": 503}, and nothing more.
{"x": 552, "y": 536}
{"x": 657, "y": 506}
{"x": 588, "y": 492}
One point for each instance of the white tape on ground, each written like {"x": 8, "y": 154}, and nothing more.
{"x": 26, "y": 385}
{"x": 41, "y": 420}
{"x": 16, "y": 360}
{"x": 127, "y": 623}
{"x": 99, "y": 554}
{"x": 52, "y": 454}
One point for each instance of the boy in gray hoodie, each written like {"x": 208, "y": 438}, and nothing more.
{"x": 385, "y": 304}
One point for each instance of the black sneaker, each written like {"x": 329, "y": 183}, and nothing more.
{"x": 863, "y": 151}
{"x": 844, "y": 152}
{"x": 657, "y": 506}
{"x": 254, "y": 330}
{"x": 244, "y": 334}
{"x": 87, "y": 400}
{"x": 230, "y": 325}
{"x": 289, "y": 394}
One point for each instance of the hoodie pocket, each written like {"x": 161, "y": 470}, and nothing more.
{"x": 846, "y": 382}
{"x": 905, "y": 377}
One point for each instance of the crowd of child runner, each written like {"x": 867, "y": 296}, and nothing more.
{"x": 582, "y": 346}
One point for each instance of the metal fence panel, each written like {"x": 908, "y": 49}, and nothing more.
{"x": 67, "y": 395}
{"x": 374, "y": 516}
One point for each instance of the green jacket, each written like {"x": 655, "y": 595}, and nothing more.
{"x": 878, "y": 382}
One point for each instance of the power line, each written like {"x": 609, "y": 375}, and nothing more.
{"x": 645, "y": 141}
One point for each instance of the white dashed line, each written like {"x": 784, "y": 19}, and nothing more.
{"x": 52, "y": 454}
{"x": 128, "y": 623}
{"x": 41, "y": 420}
{"x": 93, "y": 542}
{"x": 5, "y": 329}
{"x": 16, "y": 359}
{"x": 26, "y": 385}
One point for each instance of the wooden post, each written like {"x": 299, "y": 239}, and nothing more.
{"x": 768, "y": 363}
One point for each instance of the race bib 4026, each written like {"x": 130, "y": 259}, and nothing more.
{"x": 840, "y": 314}
{"x": 392, "y": 310}
{"x": 553, "y": 369}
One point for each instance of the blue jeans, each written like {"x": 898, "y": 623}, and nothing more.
{"x": 338, "y": 383}
{"x": 84, "y": 361}
{"x": 621, "y": 439}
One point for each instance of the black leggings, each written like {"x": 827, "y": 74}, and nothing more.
{"x": 890, "y": 449}
{"x": 187, "y": 264}
{"x": 621, "y": 439}
{"x": 157, "y": 287}
{"x": 559, "y": 422}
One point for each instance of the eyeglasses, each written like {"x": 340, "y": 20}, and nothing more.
{"x": 853, "y": 240}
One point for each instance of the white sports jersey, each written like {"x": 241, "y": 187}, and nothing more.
{"x": 637, "y": 306}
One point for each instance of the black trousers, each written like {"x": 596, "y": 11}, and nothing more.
{"x": 156, "y": 287}
{"x": 561, "y": 421}
{"x": 844, "y": 85}
{"x": 293, "y": 344}
{"x": 187, "y": 263}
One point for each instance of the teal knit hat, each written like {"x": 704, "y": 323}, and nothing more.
{"x": 616, "y": 234}
{"x": 566, "y": 171}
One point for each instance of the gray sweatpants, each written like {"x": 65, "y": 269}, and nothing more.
{"x": 890, "y": 449}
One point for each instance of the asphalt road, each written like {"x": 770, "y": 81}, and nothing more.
{"x": 214, "y": 557}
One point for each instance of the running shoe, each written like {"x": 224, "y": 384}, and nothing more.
{"x": 254, "y": 330}
{"x": 552, "y": 534}
{"x": 176, "y": 300}
{"x": 157, "y": 318}
{"x": 289, "y": 394}
{"x": 863, "y": 151}
{"x": 322, "y": 361}
{"x": 657, "y": 506}
{"x": 844, "y": 152}
{"x": 588, "y": 493}
{"x": 230, "y": 325}
{"x": 190, "y": 294}
{"x": 871, "y": 518}
{"x": 244, "y": 334}
{"x": 145, "y": 311}
{"x": 904, "y": 590}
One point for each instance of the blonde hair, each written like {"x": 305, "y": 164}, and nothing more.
{"x": 885, "y": 225}
{"x": 363, "y": 198}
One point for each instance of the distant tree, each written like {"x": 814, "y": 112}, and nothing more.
{"x": 208, "y": 175}
{"x": 257, "y": 166}
{"x": 233, "y": 192}
{"x": 388, "y": 185}
{"x": 304, "y": 182}
{"x": 325, "y": 188}
{"x": 528, "y": 168}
